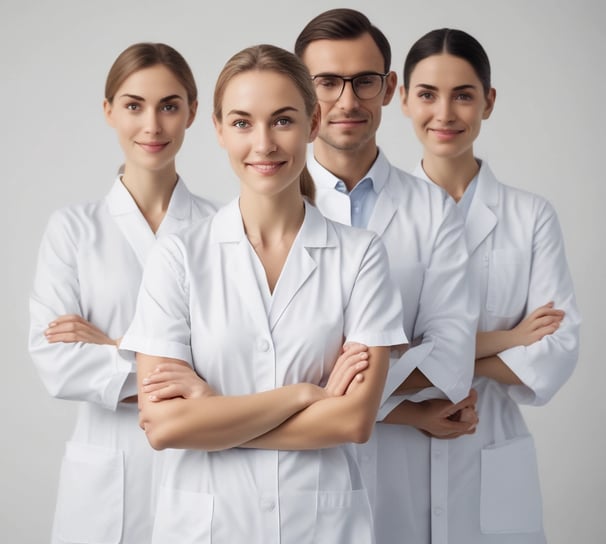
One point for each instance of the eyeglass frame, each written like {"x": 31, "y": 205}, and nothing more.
{"x": 350, "y": 79}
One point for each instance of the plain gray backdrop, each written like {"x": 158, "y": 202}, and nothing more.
{"x": 547, "y": 134}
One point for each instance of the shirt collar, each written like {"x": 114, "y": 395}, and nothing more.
{"x": 378, "y": 172}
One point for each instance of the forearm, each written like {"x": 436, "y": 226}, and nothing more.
{"x": 416, "y": 380}
{"x": 495, "y": 369}
{"x": 336, "y": 420}
{"x": 406, "y": 413}
{"x": 493, "y": 342}
{"x": 215, "y": 422}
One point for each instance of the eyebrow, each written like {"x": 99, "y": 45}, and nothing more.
{"x": 141, "y": 99}
{"x": 279, "y": 111}
{"x": 434, "y": 88}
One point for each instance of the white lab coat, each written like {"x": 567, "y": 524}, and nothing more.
{"x": 423, "y": 233}
{"x": 518, "y": 264}
{"x": 204, "y": 299}
{"x": 90, "y": 263}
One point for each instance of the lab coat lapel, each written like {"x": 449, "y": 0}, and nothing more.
{"x": 481, "y": 220}
{"x": 228, "y": 231}
{"x": 299, "y": 264}
{"x": 385, "y": 209}
{"x": 130, "y": 221}
{"x": 179, "y": 210}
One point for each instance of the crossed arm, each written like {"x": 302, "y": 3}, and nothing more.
{"x": 297, "y": 416}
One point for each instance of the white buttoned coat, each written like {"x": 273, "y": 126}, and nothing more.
{"x": 90, "y": 263}
{"x": 490, "y": 493}
{"x": 204, "y": 299}
{"x": 424, "y": 236}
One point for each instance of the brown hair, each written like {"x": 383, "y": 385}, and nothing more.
{"x": 274, "y": 59}
{"x": 145, "y": 55}
{"x": 342, "y": 24}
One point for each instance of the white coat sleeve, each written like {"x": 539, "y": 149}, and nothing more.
{"x": 373, "y": 315}
{"x": 161, "y": 326}
{"x": 546, "y": 365}
{"x": 73, "y": 371}
{"x": 446, "y": 320}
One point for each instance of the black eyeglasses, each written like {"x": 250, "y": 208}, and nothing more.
{"x": 329, "y": 87}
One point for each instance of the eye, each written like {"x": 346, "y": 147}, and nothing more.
{"x": 365, "y": 81}
{"x": 169, "y": 107}
{"x": 133, "y": 106}
{"x": 463, "y": 97}
{"x": 425, "y": 95}
{"x": 283, "y": 122}
{"x": 327, "y": 82}
{"x": 241, "y": 123}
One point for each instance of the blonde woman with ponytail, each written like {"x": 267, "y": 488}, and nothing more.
{"x": 258, "y": 300}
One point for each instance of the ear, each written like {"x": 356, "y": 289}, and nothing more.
{"x": 490, "y": 100}
{"x": 391, "y": 83}
{"x": 107, "y": 111}
{"x": 315, "y": 123}
{"x": 193, "y": 108}
{"x": 218, "y": 130}
{"x": 404, "y": 101}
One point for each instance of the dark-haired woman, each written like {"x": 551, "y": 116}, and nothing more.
{"x": 528, "y": 335}
{"x": 87, "y": 279}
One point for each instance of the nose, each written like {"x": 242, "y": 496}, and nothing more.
{"x": 348, "y": 99}
{"x": 445, "y": 112}
{"x": 264, "y": 143}
{"x": 152, "y": 122}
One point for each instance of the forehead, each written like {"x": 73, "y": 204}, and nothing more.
{"x": 344, "y": 57}
{"x": 156, "y": 80}
{"x": 261, "y": 92}
{"x": 444, "y": 70}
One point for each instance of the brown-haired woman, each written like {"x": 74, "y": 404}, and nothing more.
{"x": 88, "y": 274}
{"x": 258, "y": 300}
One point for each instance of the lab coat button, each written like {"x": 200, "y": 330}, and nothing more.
{"x": 262, "y": 344}
{"x": 267, "y": 504}
{"x": 437, "y": 511}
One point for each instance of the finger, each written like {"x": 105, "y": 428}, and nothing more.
{"x": 170, "y": 391}
{"x": 340, "y": 384}
{"x": 66, "y": 319}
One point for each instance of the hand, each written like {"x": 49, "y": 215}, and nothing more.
{"x": 440, "y": 418}
{"x": 543, "y": 321}
{"x": 74, "y": 328}
{"x": 175, "y": 379}
{"x": 347, "y": 370}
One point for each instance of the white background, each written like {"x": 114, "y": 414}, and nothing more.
{"x": 546, "y": 135}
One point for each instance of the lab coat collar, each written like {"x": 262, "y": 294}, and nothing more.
{"x": 227, "y": 226}
{"x": 481, "y": 219}
{"x": 228, "y": 230}
{"x": 121, "y": 202}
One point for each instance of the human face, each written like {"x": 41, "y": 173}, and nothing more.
{"x": 349, "y": 124}
{"x": 150, "y": 113}
{"x": 265, "y": 130}
{"x": 446, "y": 103}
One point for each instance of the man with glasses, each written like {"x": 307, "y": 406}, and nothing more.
{"x": 428, "y": 387}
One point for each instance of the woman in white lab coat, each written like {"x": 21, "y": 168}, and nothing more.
{"x": 89, "y": 270}
{"x": 258, "y": 299}
{"x": 528, "y": 331}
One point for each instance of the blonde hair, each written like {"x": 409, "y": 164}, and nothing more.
{"x": 274, "y": 59}
{"x": 145, "y": 55}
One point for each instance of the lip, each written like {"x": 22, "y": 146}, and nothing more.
{"x": 266, "y": 168}
{"x": 445, "y": 134}
{"x": 353, "y": 122}
{"x": 152, "y": 147}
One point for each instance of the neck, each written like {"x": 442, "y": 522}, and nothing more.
{"x": 151, "y": 190}
{"x": 271, "y": 220}
{"x": 453, "y": 174}
{"x": 348, "y": 165}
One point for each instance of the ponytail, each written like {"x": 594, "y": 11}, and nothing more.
{"x": 308, "y": 187}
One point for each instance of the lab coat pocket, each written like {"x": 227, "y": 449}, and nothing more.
{"x": 91, "y": 492}
{"x": 183, "y": 516}
{"x": 343, "y": 517}
{"x": 510, "y": 490}
{"x": 508, "y": 277}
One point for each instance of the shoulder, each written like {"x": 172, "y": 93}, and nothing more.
{"x": 523, "y": 202}
{"x": 203, "y": 206}
{"x": 75, "y": 220}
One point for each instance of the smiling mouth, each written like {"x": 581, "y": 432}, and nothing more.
{"x": 266, "y": 168}
{"x": 152, "y": 147}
